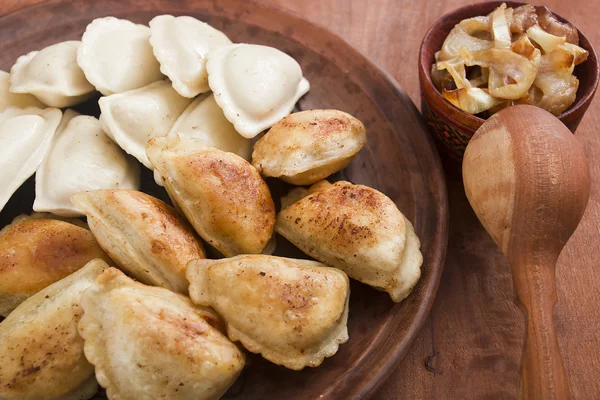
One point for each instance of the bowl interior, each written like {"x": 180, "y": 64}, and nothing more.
{"x": 587, "y": 72}
{"x": 399, "y": 160}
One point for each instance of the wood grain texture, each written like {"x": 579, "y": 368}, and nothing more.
{"x": 471, "y": 346}
{"x": 527, "y": 179}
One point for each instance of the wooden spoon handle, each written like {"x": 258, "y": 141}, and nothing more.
{"x": 542, "y": 372}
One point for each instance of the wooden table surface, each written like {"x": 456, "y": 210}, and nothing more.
{"x": 470, "y": 346}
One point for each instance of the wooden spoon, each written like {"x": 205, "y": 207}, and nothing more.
{"x": 526, "y": 177}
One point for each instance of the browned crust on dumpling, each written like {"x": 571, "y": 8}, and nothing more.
{"x": 144, "y": 235}
{"x": 166, "y": 245}
{"x": 41, "y": 352}
{"x": 320, "y": 210}
{"x": 221, "y": 194}
{"x": 308, "y": 146}
{"x": 358, "y": 230}
{"x": 38, "y": 252}
{"x": 238, "y": 191}
{"x": 148, "y": 342}
{"x": 293, "y": 312}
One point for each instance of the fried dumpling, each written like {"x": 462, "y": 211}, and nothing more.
{"x": 292, "y": 312}
{"x": 25, "y": 137}
{"x": 180, "y": 45}
{"x": 41, "y": 356}
{"x": 220, "y": 193}
{"x": 52, "y": 75}
{"x": 255, "y": 85}
{"x": 38, "y": 250}
{"x": 359, "y": 230}
{"x": 116, "y": 56}
{"x": 20, "y": 100}
{"x": 136, "y": 116}
{"x": 308, "y": 146}
{"x": 149, "y": 343}
{"x": 142, "y": 234}
{"x": 81, "y": 158}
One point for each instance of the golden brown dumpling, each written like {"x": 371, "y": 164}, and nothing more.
{"x": 308, "y": 146}
{"x": 220, "y": 193}
{"x": 142, "y": 234}
{"x": 359, "y": 230}
{"x": 149, "y": 343}
{"x": 38, "y": 250}
{"x": 293, "y": 312}
{"x": 41, "y": 353}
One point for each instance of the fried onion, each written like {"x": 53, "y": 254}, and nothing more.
{"x": 511, "y": 56}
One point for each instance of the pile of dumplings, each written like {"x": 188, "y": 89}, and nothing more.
{"x": 129, "y": 300}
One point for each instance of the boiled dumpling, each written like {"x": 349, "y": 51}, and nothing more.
{"x": 142, "y": 234}
{"x": 255, "y": 85}
{"x": 104, "y": 126}
{"x": 81, "y": 158}
{"x": 25, "y": 136}
{"x": 52, "y": 75}
{"x": 20, "y": 100}
{"x": 116, "y": 56}
{"x": 67, "y": 116}
{"x": 359, "y": 230}
{"x": 203, "y": 119}
{"x": 38, "y": 250}
{"x": 149, "y": 343}
{"x": 293, "y": 312}
{"x": 136, "y": 116}
{"x": 220, "y": 193}
{"x": 41, "y": 356}
{"x": 180, "y": 45}
{"x": 308, "y": 146}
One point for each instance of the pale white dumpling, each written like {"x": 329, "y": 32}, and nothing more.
{"x": 9, "y": 99}
{"x": 204, "y": 120}
{"x": 180, "y": 45}
{"x": 25, "y": 136}
{"x": 81, "y": 158}
{"x": 104, "y": 126}
{"x": 255, "y": 85}
{"x": 136, "y": 116}
{"x": 116, "y": 56}
{"x": 52, "y": 75}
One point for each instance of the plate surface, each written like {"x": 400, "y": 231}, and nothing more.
{"x": 399, "y": 160}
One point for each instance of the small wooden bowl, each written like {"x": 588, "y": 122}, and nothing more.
{"x": 454, "y": 127}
